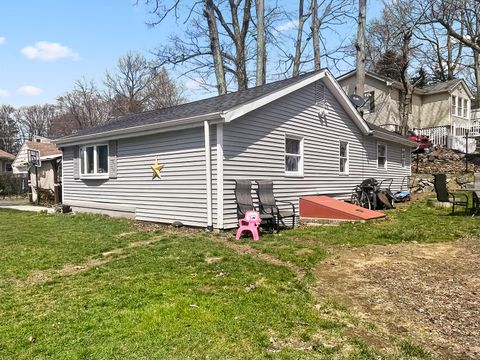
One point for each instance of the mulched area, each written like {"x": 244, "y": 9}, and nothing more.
{"x": 427, "y": 292}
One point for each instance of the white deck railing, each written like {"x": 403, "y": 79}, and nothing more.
{"x": 453, "y": 137}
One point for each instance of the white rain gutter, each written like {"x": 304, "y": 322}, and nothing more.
{"x": 208, "y": 171}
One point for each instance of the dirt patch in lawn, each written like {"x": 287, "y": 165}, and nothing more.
{"x": 427, "y": 292}
{"x": 43, "y": 276}
{"x": 247, "y": 250}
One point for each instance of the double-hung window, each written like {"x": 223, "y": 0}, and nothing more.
{"x": 293, "y": 155}
{"x": 454, "y": 105}
{"x": 94, "y": 161}
{"x": 465, "y": 108}
{"x": 460, "y": 107}
{"x": 343, "y": 156}
{"x": 382, "y": 156}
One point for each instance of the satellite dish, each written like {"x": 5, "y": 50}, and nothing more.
{"x": 357, "y": 100}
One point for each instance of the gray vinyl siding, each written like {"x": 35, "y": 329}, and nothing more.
{"x": 179, "y": 196}
{"x": 254, "y": 149}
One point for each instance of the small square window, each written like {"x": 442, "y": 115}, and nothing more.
{"x": 293, "y": 156}
{"x": 381, "y": 156}
{"x": 343, "y": 156}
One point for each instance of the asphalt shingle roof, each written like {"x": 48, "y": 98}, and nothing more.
{"x": 382, "y": 130}
{"x": 197, "y": 108}
{"x": 45, "y": 149}
{"x": 6, "y": 155}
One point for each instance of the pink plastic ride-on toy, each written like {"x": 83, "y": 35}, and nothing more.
{"x": 250, "y": 223}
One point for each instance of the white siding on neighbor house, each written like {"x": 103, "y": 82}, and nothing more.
{"x": 254, "y": 149}
{"x": 180, "y": 195}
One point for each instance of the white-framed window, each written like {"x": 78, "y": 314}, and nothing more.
{"x": 381, "y": 155}
{"x": 454, "y": 105}
{"x": 404, "y": 158}
{"x": 293, "y": 155}
{"x": 465, "y": 108}
{"x": 94, "y": 161}
{"x": 343, "y": 157}
{"x": 369, "y": 105}
{"x": 460, "y": 107}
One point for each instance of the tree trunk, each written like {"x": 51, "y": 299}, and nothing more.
{"x": 476, "y": 64}
{"x": 261, "y": 50}
{"x": 298, "y": 44}
{"x": 215, "y": 47}
{"x": 360, "y": 47}
{"x": 239, "y": 36}
{"x": 315, "y": 35}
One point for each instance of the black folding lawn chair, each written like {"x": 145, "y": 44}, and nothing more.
{"x": 243, "y": 197}
{"x": 443, "y": 195}
{"x": 268, "y": 204}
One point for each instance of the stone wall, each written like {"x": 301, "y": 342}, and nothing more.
{"x": 423, "y": 183}
{"x": 443, "y": 161}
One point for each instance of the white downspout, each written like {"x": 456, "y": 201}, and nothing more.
{"x": 208, "y": 170}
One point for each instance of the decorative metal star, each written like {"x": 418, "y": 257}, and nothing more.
{"x": 156, "y": 167}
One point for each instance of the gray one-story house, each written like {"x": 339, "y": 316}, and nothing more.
{"x": 303, "y": 133}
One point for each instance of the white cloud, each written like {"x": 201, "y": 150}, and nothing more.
{"x": 3, "y": 40}
{"x": 30, "y": 90}
{"x": 287, "y": 26}
{"x": 4, "y": 93}
{"x": 47, "y": 51}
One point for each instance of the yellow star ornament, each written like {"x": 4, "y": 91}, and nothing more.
{"x": 156, "y": 167}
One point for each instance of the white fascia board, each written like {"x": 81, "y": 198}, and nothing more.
{"x": 50, "y": 157}
{"x": 245, "y": 108}
{"x": 467, "y": 89}
{"x": 171, "y": 125}
{"x": 345, "y": 102}
{"x": 393, "y": 138}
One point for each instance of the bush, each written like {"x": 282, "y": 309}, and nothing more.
{"x": 12, "y": 185}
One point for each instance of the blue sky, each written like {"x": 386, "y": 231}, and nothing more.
{"x": 45, "y": 45}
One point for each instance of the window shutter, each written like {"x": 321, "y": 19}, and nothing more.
{"x": 76, "y": 162}
{"x": 372, "y": 101}
{"x": 112, "y": 159}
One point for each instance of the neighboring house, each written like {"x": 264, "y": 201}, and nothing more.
{"x": 49, "y": 180}
{"x": 303, "y": 133}
{"x": 445, "y": 104}
{"x": 6, "y": 160}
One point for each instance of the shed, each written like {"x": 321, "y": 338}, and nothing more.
{"x": 49, "y": 180}
{"x": 303, "y": 133}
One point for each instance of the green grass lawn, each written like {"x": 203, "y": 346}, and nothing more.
{"x": 185, "y": 294}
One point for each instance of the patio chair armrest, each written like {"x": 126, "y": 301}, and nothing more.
{"x": 455, "y": 199}
{"x": 289, "y": 203}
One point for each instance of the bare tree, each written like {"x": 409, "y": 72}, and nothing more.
{"x": 360, "y": 48}
{"x": 441, "y": 54}
{"x": 299, "y": 44}
{"x": 84, "y": 106}
{"x": 214, "y": 38}
{"x": 461, "y": 19}
{"x": 261, "y": 46}
{"x": 392, "y": 35}
{"x": 36, "y": 120}
{"x": 315, "y": 34}
{"x": 9, "y": 131}
{"x": 136, "y": 85}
